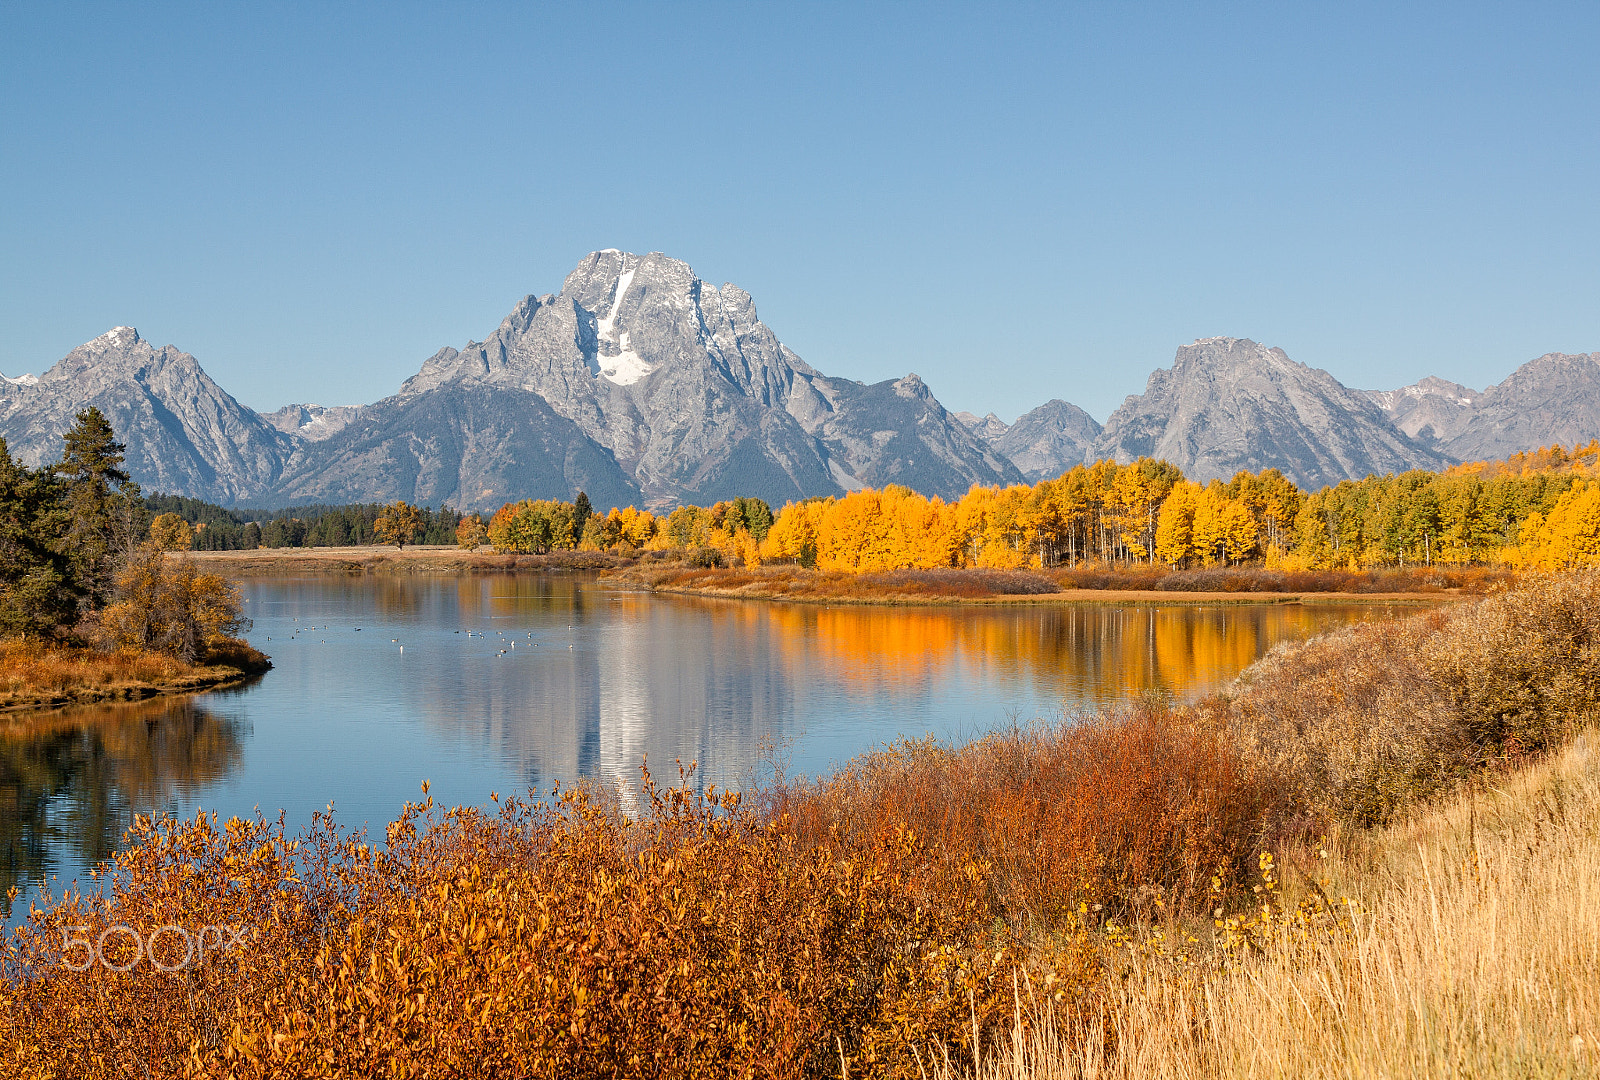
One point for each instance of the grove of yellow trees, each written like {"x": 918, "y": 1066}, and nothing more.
{"x": 1539, "y": 509}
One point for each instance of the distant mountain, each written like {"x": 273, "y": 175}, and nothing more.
{"x": 184, "y": 433}
{"x": 1554, "y": 399}
{"x": 469, "y": 446}
{"x": 1050, "y": 440}
{"x": 1228, "y": 404}
{"x": 1430, "y": 411}
{"x": 312, "y": 423}
{"x": 695, "y": 398}
{"x": 637, "y": 382}
{"x": 640, "y": 383}
{"x": 1043, "y": 443}
{"x": 988, "y": 428}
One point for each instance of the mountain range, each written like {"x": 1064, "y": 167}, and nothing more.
{"x": 640, "y": 383}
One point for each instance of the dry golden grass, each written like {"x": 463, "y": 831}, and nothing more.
{"x": 33, "y": 672}
{"x": 1473, "y": 951}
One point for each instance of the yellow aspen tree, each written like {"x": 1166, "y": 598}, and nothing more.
{"x": 1210, "y": 532}
{"x": 1175, "y": 526}
{"x": 1239, "y": 534}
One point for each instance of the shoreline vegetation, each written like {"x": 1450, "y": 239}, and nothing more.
{"x": 35, "y": 676}
{"x": 1374, "y": 854}
{"x": 99, "y": 600}
{"x": 675, "y": 571}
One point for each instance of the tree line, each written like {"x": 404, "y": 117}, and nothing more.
{"x": 1537, "y": 509}
{"x": 1533, "y": 509}
{"x": 315, "y": 525}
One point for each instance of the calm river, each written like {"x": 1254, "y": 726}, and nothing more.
{"x": 483, "y": 683}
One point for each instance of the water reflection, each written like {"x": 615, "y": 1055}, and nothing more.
{"x": 71, "y": 782}
{"x": 507, "y": 682}
{"x": 716, "y": 681}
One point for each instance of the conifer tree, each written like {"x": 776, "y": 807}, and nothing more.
{"x": 38, "y": 593}
{"x": 104, "y": 515}
{"x": 580, "y": 517}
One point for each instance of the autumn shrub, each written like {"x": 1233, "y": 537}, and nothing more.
{"x": 1104, "y": 576}
{"x": 168, "y": 605}
{"x": 551, "y": 939}
{"x": 705, "y": 557}
{"x": 876, "y": 915}
{"x": 237, "y": 653}
{"x": 1249, "y": 579}
{"x": 1106, "y": 811}
{"x": 1375, "y": 716}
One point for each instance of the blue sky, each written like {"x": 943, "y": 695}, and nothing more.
{"x": 1015, "y": 202}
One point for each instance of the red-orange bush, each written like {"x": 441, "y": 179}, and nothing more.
{"x": 1103, "y": 810}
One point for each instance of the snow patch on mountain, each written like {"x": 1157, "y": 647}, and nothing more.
{"x": 626, "y": 367}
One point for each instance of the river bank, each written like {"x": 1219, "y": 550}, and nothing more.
{"x": 35, "y": 677}
{"x": 671, "y": 572}
{"x": 410, "y": 560}
{"x": 982, "y": 588}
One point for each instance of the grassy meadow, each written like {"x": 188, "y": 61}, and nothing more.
{"x": 1375, "y": 855}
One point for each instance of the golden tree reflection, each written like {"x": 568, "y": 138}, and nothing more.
{"x": 70, "y": 782}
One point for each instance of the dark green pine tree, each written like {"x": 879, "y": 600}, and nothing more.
{"x": 580, "y": 516}
{"x": 38, "y": 593}
{"x": 102, "y": 502}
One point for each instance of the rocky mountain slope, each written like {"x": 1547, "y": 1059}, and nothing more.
{"x": 1045, "y": 442}
{"x": 692, "y": 396}
{"x": 1228, "y": 404}
{"x": 313, "y": 423}
{"x": 637, "y": 382}
{"x": 469, "y": 446}
{"x": 1554, "y": 399}
{"x": 1429, "y": 411}
{"x": 640, "y": 383}
{"x": 184, "y": 433}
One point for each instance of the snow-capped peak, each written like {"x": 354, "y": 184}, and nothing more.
{"x": 22, "y": 380}
{"x": 120, "y": 335}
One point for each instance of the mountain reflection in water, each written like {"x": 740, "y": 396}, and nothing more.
{"x": 381, "y": 682}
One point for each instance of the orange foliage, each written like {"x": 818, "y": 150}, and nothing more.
{"x": 1102, "y": 814}
{"x": 1106, "y": 511}
{"x": 558, "y": 940}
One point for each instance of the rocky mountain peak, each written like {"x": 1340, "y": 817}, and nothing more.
{"x": 912, "y": 386}
{"x": 119, "y": 336}
{"x": 184, "y": 433}
{"x": 1555, "y": 398}
{"x": 1047, "y": 441}
{"x": 1431, "y": 410}
{"x": 313, "y": 422}
{"x": 678, "y": 389}
{"x": 988, "y": 428}
{"x": 1228, "y": 404}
